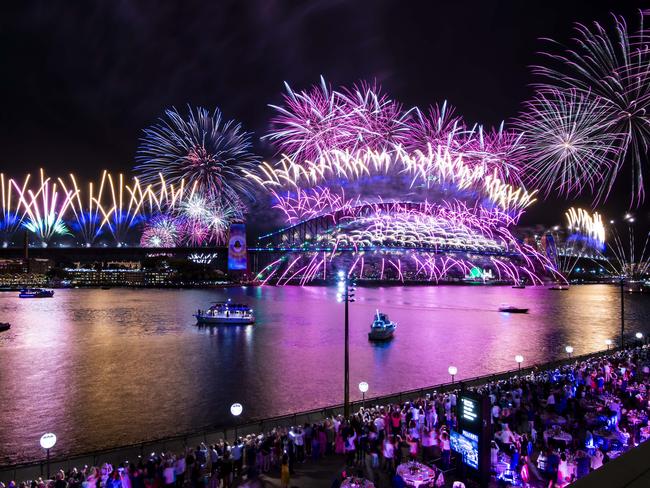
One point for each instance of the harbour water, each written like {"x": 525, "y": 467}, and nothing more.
{"x": 102, "y": 368}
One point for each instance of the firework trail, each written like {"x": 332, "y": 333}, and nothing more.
{"x": 126, "y": 206}
{"x": 13, "y": 212}
{"x": 44, "y": 210}
{"x": 609, "y": 66}
{"x": 86, "y": 209}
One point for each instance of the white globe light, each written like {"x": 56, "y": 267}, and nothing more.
{"x": 48, "y": 440}
{"x": 341, "y": 274}
{"x": 452, "y": 370}
{"x": 639, "y": 335}
{"x": 608, "y": 342}
{"x": 236, "y": 409}
{"x": 568, "y": 349}
{"x": 363, "y": 387}
{"x": 519, "y": 358}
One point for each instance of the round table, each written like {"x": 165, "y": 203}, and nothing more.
{"x": 557, "y": 436}
{"x": 416, "y": 474}
{"x": 352, "y": 482}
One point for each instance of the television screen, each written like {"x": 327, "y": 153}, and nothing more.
{"x": 466, "y": 444}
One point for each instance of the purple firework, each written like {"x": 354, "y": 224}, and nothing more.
{"x": 314, "y": 122}
{"x": 498, "y": 150}
{"x": 438, "y": 127}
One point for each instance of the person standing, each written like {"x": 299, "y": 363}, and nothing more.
{"x": 285, "y": 475}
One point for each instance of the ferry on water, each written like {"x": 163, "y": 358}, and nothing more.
{"x": 226, "y": 313}
{"x": 382, "y": 328}
{"x": 35, "y": 293}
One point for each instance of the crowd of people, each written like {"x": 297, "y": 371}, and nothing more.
{"x": 548, "y": 428}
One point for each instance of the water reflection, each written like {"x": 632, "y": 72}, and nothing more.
{"x": 106, "y": 367}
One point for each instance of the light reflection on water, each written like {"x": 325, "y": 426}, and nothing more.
{"x": 108, "y": 367}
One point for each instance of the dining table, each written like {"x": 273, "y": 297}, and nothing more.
{"x": 416, "y": 474}
{"x": 353, "y": 482}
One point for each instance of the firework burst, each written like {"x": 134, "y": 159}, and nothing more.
{"x": 202, "y": 150}
{"x": 568, "y": 144}
{"x": 611, "y": 65}
{"x": 160, "y": 231}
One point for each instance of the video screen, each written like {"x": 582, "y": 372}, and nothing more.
{"x": 466, "y": 444}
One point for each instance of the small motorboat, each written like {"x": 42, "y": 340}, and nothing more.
{"x": 558, "y": 287}
{"x": 382, "y": 329}
{"x": 226, "y": 313}
{"x": 519, "y": 286}
{"x": 35, "y": 293}
{"x": 510, "y": 309}
{"x": 105, "y": 287}
{"x": 4, "y": 326}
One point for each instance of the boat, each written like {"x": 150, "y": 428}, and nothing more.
{"x": 35, "y": 293}
{"x": 510, "y": 309}
{"x": 105, "y": 287}
{"x": 4, "y": 326}
{"x": 558, "y": 287}
{"x": 382, "y": 329}
{"x": 225, "y": 313}
{"x": 519, "y": 286}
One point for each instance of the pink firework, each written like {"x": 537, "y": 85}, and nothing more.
{"x": 314, "y": 122}
{"x": 499, "y": 150}
{"x": 377, "y": 122}
{"x": 309, "y": 123}
{"x": 437, "y": 127}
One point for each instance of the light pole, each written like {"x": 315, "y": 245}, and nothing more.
{"x": 639, "y": 336}
{"x": 608, "y": 342}
{"x": 622, "y": 313}
{"x": 346, "y": 294}
{"x": 520, "y": 359}
{"x": 47, "y": 442}
{"x": 569, "y": 351}
{"x": 236, "y": 409}
{"x": 453, "y": 371}
{"x": 363, "y": 387}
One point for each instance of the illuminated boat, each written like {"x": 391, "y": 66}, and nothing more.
{"x": 4, "y": 326}
{"x": 382, "y": 329}
{"x": 558, "y": 287}
{"x": 226, "y": 313}
{"x": 510, "y": 309}
{"x": 35, "y": 293}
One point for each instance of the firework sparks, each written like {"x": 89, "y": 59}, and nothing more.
{"x": 13, "y": 213}
{"x": 568, "y": 144}
{"x": 86, "y": 209}
{"x": 202, "y": 150}
{"x": 160, "y": 231}
{"x": 44, "y": 210}
{"x": 609, "y": 66}
{"x": 126, "y": 202}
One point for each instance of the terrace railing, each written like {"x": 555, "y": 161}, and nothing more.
{"x": 228, "y": 429}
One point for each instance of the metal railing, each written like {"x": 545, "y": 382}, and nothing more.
{"x": 228, "y": 430}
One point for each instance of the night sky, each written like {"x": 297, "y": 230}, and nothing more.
{"x": 80, "y": 82}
